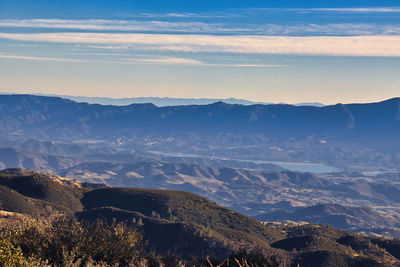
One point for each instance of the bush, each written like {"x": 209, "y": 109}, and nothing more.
{"x": 13, "y": 257}
{"x": 65, "y": 241}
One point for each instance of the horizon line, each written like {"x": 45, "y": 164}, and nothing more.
{"x": 217, "y": 100}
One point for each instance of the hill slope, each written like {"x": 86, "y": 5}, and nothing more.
{"x": 181, "y": 223}
{"x": 185, "y": 209}
{"x": 34, "y": 193}
{"x": 12, "y": 201}
{"x": 360, "y": 219}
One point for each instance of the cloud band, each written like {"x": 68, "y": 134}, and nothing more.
{"x": 386, "y": 46}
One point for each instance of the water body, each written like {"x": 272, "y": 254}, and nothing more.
{"x": 291, "y": 166}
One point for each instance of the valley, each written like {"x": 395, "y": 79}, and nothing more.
{"x": 260, "y": 190}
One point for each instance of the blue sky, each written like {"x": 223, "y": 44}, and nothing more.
{"x": 272, "y": 51}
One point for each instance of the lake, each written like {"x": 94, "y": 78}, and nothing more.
{"x": 292, "y": 166}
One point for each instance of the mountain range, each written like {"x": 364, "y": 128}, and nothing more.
{"x": 355, "y": 136}
{"x": 45, "y": 116}
{"x": 240, "y": 156}
{"x": 165, "y": 101}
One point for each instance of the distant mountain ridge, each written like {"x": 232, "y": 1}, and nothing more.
{"x": 165, "y": 101}
{"x": 374, "y": 124}
{"x": 158, "y": 101}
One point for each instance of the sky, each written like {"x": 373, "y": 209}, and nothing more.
{"x": 266, "y": 51}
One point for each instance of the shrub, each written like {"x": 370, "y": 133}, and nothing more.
{"x": 11, "y": 256}
{"x": 64, "y": 241}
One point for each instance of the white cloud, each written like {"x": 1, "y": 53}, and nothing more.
{"x": 158, "y": 61}
{"x": 393, "y": 9}
{"x": 166, "y": 60}
{"x": 170, "y": 60}
{"x": 359, "y": 10}
{"x": 177, "y": 15}
{"x": 210, "y": 28}
{"x": 331, "y": 29}
{"x": 110, "y": 47}
{"x": 316, "y": 45}
{"x": 41, "y": 58}
{"x": 116, "y": 25}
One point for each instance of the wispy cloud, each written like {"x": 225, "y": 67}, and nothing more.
{"x": 299, "y": 29}
{"x": 358, "y": 10}
{"x": 182, "y": 15}
{"x": 243, "y": 12}
{"x": 117, "y": 25}
{"x": 187, "y": 61}
{"x": 251, "y": 65}
{"x": 41, "y": 58}
{"x": 169, "y": 60}
{"x": 392, "y": 9}
{"x": 164, "y": 60}
{"x": 330, "y": 29}
{"x": 149, "y": 60}
{"x": 323, "y": 45}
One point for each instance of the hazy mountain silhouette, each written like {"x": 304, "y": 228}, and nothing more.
{"x": 374, "y": 124}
